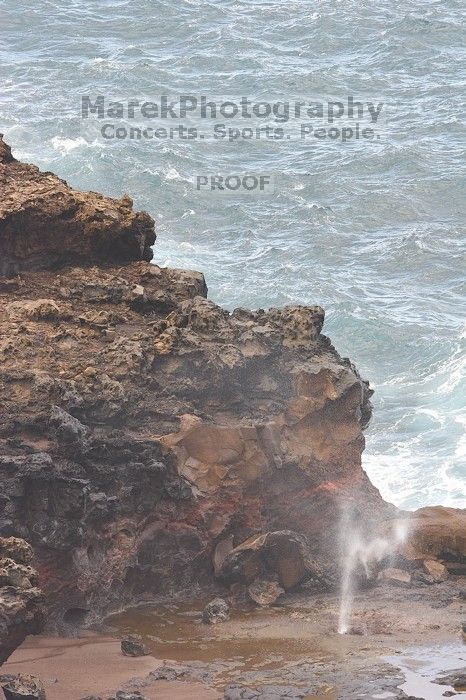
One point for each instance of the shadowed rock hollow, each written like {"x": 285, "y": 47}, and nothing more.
{"x": 146, "y": 431}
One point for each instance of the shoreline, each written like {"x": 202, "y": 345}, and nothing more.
{"x": 294, "y": 644}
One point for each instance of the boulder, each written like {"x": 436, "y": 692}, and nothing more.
{"x": 283, "y": 553}
{"x": 264, "y": 592}
{"x": 6, "y": 155}
{"x": 68, "y": 430}
{"x": 132, "y": 645}
{"x": 437, "y": 571}
{"x": 396, "y": 577}
{"x": 34, "y": 310}
{"x": 420, "y": 576}
{"x": 432, "y": 533}
{"x": 216, "y": 611}
{"x": 22, "y": 687}
{"x": 168, "y": 673}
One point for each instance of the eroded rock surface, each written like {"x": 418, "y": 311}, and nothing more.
{"x": 436, "y": 531}
{"x": 264, "y": 592}
{"x": 21, "y": 601}
{"x": 132, "y": 645}
{"x": 22, "y": 687}
{"x": 216, "y": 611}
{"x": 44, "y": 223}
{"x": 284, "y": 554}
{"x": 396, "y": 577}
{"x": 433, "y": 545}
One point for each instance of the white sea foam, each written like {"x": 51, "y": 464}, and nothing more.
{"x": 172, "y": 174}
{"x": 65, "y": 145}
{"x": 359, "y": 549}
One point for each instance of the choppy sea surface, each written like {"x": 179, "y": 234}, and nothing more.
{"x": 373, "y": 230}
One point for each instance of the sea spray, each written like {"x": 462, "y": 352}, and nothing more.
{"x": 361, "y": 554}
{"x": 350, "y": 544}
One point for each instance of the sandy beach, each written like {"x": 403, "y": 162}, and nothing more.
{"x": 92, "y": 665}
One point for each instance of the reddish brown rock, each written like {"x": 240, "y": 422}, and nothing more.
{"x": 44, "y": 223}
{"x": 283, "y": 554}
{"x": 5, "y": 152}
{"x": 146, "y": 430}
{"x": 396, "y": 577}
{"x": 436, "y": 570}
{"x": 432, "y": 533}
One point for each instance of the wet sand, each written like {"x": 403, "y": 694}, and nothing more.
{"x": 70, "y": 669}
{"x": 386, "y": 620}
{"x": 295, "y": 643}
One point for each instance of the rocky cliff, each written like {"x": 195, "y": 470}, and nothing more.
{"x": 146, "y": 432}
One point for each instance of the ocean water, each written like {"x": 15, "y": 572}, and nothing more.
{"x": 373, "y": 230}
